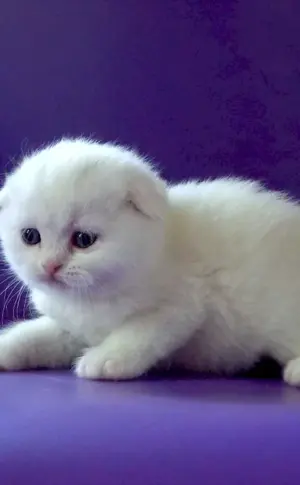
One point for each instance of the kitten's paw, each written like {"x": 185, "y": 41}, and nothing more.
{"x": 95, "y": 364}
{"x": 291, "y": 373}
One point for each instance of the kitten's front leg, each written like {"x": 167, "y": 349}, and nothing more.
{"x": 136, "y": 346}
{"x": 36, "y": 343}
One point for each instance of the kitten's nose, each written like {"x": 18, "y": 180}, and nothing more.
{"x": 52, "y": 267}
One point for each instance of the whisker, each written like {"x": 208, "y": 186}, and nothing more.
{"x": 14, "y": 286}
{"x": 13, "y": 292}
{"x": 25, "y": 303}
{"x": 9, "y": 286}
{"x": 17, "y": 303}
{"x": 9, "y": 278}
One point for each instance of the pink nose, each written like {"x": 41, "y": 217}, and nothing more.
{"x": 52, "y": 267}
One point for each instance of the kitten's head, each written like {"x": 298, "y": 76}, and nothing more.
{"x": 82, "y": 215}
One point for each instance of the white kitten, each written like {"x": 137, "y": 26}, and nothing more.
{"x": 127, "y": 273}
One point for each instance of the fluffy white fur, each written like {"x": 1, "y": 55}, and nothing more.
{"x": 201, "y": 275}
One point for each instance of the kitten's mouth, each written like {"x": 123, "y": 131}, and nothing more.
{"x": 52, "y": 281}
{"x": 55, "y": 281}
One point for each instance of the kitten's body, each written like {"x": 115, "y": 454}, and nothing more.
{"x": 205, "y": 276}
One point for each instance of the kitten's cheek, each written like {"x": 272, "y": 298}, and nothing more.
{"x": 28, "y": 277}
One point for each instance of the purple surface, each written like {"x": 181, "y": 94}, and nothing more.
{"x": 56, "y": 429}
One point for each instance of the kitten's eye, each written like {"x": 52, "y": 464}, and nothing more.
{"x": 83, "y": 240}
{"x": 31, "y": 236}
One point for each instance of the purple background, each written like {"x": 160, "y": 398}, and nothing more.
{"x": 205, "y": 87}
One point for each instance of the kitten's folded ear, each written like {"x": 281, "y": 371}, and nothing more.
{"x": 148, "y": 194}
